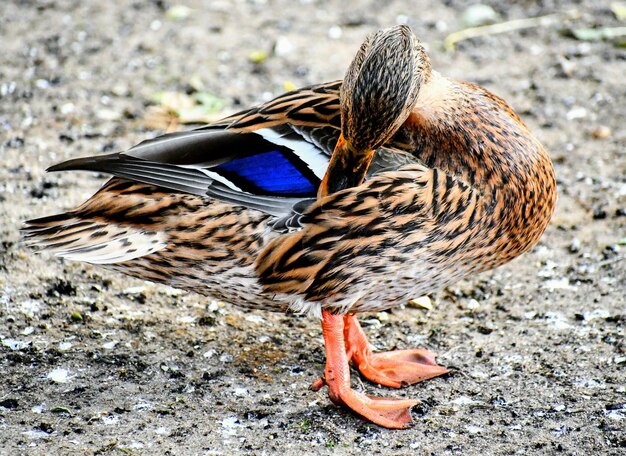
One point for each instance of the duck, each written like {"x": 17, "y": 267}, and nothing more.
{"x": 332, "y": 200}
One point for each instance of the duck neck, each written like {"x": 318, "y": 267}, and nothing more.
{"x": 473, "y": 135}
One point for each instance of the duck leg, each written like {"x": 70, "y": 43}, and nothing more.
{"x": 386, "y": 412}
{"x": 394, "y": 368}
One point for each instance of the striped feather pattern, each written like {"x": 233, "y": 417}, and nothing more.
{"x": 74, "y": 238}
{"x": 462, "y": 187}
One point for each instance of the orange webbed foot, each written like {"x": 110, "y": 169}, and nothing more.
{"x": 387, "y": 412}
{"x": 399, "y": 368}
{"x": 394, "y": 368}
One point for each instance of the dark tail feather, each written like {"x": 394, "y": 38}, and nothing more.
{"x": 95, "y": 163}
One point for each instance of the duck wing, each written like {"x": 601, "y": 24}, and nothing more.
{"x": 271, "y": 158}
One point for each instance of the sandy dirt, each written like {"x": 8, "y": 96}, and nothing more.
{"x": 93, "y": 362}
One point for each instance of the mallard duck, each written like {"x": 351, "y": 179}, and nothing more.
{"x": 336, "y": 199}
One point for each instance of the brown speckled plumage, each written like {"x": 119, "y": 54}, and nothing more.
{"x": 469, "y": 189}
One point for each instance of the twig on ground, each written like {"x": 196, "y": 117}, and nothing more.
{"x": 501, "y": 27}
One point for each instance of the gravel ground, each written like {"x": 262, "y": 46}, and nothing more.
{"x": 96, "y": 363}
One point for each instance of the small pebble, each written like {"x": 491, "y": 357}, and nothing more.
{"x": 227, "y": 358}
{"x": 464, "y": 400}
{"x": 565, "y": 67}
{"x": 7, "y": 88}
{"x": 574, "y": 246}
{"x": 240, "y": 392}
{"x": 38, "y": 408}
{"x": 382, "y": 316}
{"x": 576, "y": 113}
{"x": 134, "y": 290}
{"x": 601, "y": 314}
{"x": 178, "y": 12}
{"x": 59, "y": 375}
{"x": 601, "y": 132}
{"x": 120, "y": 90}
{"x": 423, "y": 302}
{"x": 255, "y": 318}
{"x": 108, "y": 114}
{"x": 473, "y": 429}
{"x": 283, "y": 46}
{"x": 479, "y": 14}
{"x": 67, "y": 108}
{"x": 335, "y": 32}
{"x": 110, "y": 420}
{"x": 558, "y": 284}
{"x": 599, "y": 213}
{"x": 14, "y": 344}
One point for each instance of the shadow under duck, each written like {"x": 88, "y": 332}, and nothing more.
{"x": 335, "y": 199}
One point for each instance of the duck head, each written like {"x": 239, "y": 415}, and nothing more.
{"x": 378, "y": 93}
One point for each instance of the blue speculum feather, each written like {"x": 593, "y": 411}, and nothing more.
{"x": 271, "y": 172}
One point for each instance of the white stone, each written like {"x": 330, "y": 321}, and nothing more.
{"x": 60, "y": 375}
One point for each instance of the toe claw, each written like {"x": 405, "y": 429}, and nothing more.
{"x": 318, "y": 384}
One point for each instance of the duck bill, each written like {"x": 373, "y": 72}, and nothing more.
{"x": 347, "y": 168}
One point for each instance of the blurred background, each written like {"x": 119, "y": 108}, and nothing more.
{"x": 94, "y": 362}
